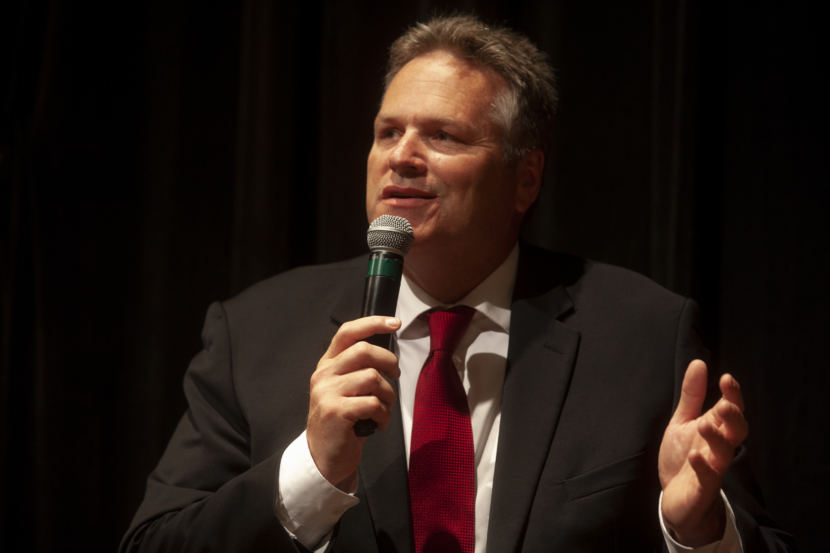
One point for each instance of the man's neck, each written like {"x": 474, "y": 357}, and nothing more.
{"x": 449, "y": 277}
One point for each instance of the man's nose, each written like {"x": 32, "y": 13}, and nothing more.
{"x": 407, "y": 157}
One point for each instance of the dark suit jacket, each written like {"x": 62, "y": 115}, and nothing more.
{"x": 595, "y": 361}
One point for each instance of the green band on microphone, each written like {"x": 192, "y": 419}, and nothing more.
{"x": 384, "y": 266}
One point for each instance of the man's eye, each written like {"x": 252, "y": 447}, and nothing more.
{"x": 443, "y": 135}
{"x": 388, "y": 132}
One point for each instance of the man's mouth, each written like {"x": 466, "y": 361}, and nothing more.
{"x": 405, "y": 193}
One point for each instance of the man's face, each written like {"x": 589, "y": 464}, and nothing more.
{"x": 437, "y": 158}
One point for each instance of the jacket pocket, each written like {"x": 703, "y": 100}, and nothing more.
{"x": 605, "y": 477}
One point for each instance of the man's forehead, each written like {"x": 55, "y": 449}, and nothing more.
{"x": 443, "y": 81}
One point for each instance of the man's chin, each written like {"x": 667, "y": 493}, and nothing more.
{"x": 417, "y": 211}
{"x": 414, "y": 218}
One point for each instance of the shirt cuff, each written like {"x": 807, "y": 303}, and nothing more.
{"x": 729, "y": 543}
{"x": 307, "y": 505}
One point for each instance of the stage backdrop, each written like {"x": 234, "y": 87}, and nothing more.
{"x": 156, "y": 156}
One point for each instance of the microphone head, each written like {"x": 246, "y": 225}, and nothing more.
{"x": 390, "y": 233}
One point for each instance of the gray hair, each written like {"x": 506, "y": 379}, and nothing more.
{"x": 525, "y": 109}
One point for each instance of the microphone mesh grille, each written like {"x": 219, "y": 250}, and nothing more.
{"x": 389, "y": 232}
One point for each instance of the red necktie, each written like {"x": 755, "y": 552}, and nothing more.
{"x": 442, "y": 483}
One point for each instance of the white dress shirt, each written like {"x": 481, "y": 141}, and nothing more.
{"x": 308, "y": 506}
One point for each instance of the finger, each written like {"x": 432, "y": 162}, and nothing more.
{"x": 369, "y": 382}
{"x": 710, "y": 481}
{"x": 721, "y": 450}
{"x": 692, "y": 393}
{"x": 327, "y": 394}
{"x": 362, "y": 355}
{"x": 352, "y": 332}
{"x": 733, "y": 424}
{"x": 333, "y": 411}
{"x": 367, "y": 408}
{"x": 363, "y": 382}
{"x": 731, "y": 390}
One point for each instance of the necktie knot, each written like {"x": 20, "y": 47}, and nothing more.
{"x": 447, "y": 326}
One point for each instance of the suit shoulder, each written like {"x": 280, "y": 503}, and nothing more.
{"x": 589, "y": 280}
{"x": 619, "y": 281}
{"x": 300, "y": 289}
{"x": 609, "y": 288}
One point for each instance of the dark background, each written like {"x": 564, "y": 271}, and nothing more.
{"x": 156, "y": 156}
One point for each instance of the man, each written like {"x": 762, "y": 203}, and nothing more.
{"x": 569, "y": 368}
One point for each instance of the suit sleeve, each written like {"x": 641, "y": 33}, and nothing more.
{"x": 755, "y": 526}
{"x": 205, "y": 494}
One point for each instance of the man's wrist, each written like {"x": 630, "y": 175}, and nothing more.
{"x": 728, "y": 542}
{"x": 307, "y": 505}
{"x": 707, "y": 530}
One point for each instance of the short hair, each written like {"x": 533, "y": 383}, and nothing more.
{"x": 525, "y": 109}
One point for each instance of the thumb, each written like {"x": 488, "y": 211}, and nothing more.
{"x": 692, "y": 393}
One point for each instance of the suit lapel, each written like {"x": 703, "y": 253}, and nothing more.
{"x": 384, "y": 482}
{"x": 540, "y": 362}
{"x": 383, "y": 476}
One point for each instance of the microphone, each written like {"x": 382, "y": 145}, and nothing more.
{"x": 389, "y": 239}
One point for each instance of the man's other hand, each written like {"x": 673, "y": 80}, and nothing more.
{"x": 349, "y": 385}
{"x": 695, "y": 453}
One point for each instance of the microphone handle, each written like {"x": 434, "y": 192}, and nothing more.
{"x": 380, "y": 297}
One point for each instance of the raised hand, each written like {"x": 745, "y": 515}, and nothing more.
{"x": 349, "y": 385}
{"x": 694, "y": 455}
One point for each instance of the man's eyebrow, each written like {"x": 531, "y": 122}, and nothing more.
{"x": 422, "y": 121}
{"x": 380, "y": 118}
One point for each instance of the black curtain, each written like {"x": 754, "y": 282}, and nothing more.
{"x": 158, "y": 156}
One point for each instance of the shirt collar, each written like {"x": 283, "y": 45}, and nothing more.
{"x": 492, "y": 297}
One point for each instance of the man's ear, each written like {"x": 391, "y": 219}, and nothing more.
{"x": 529, "y": 179}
